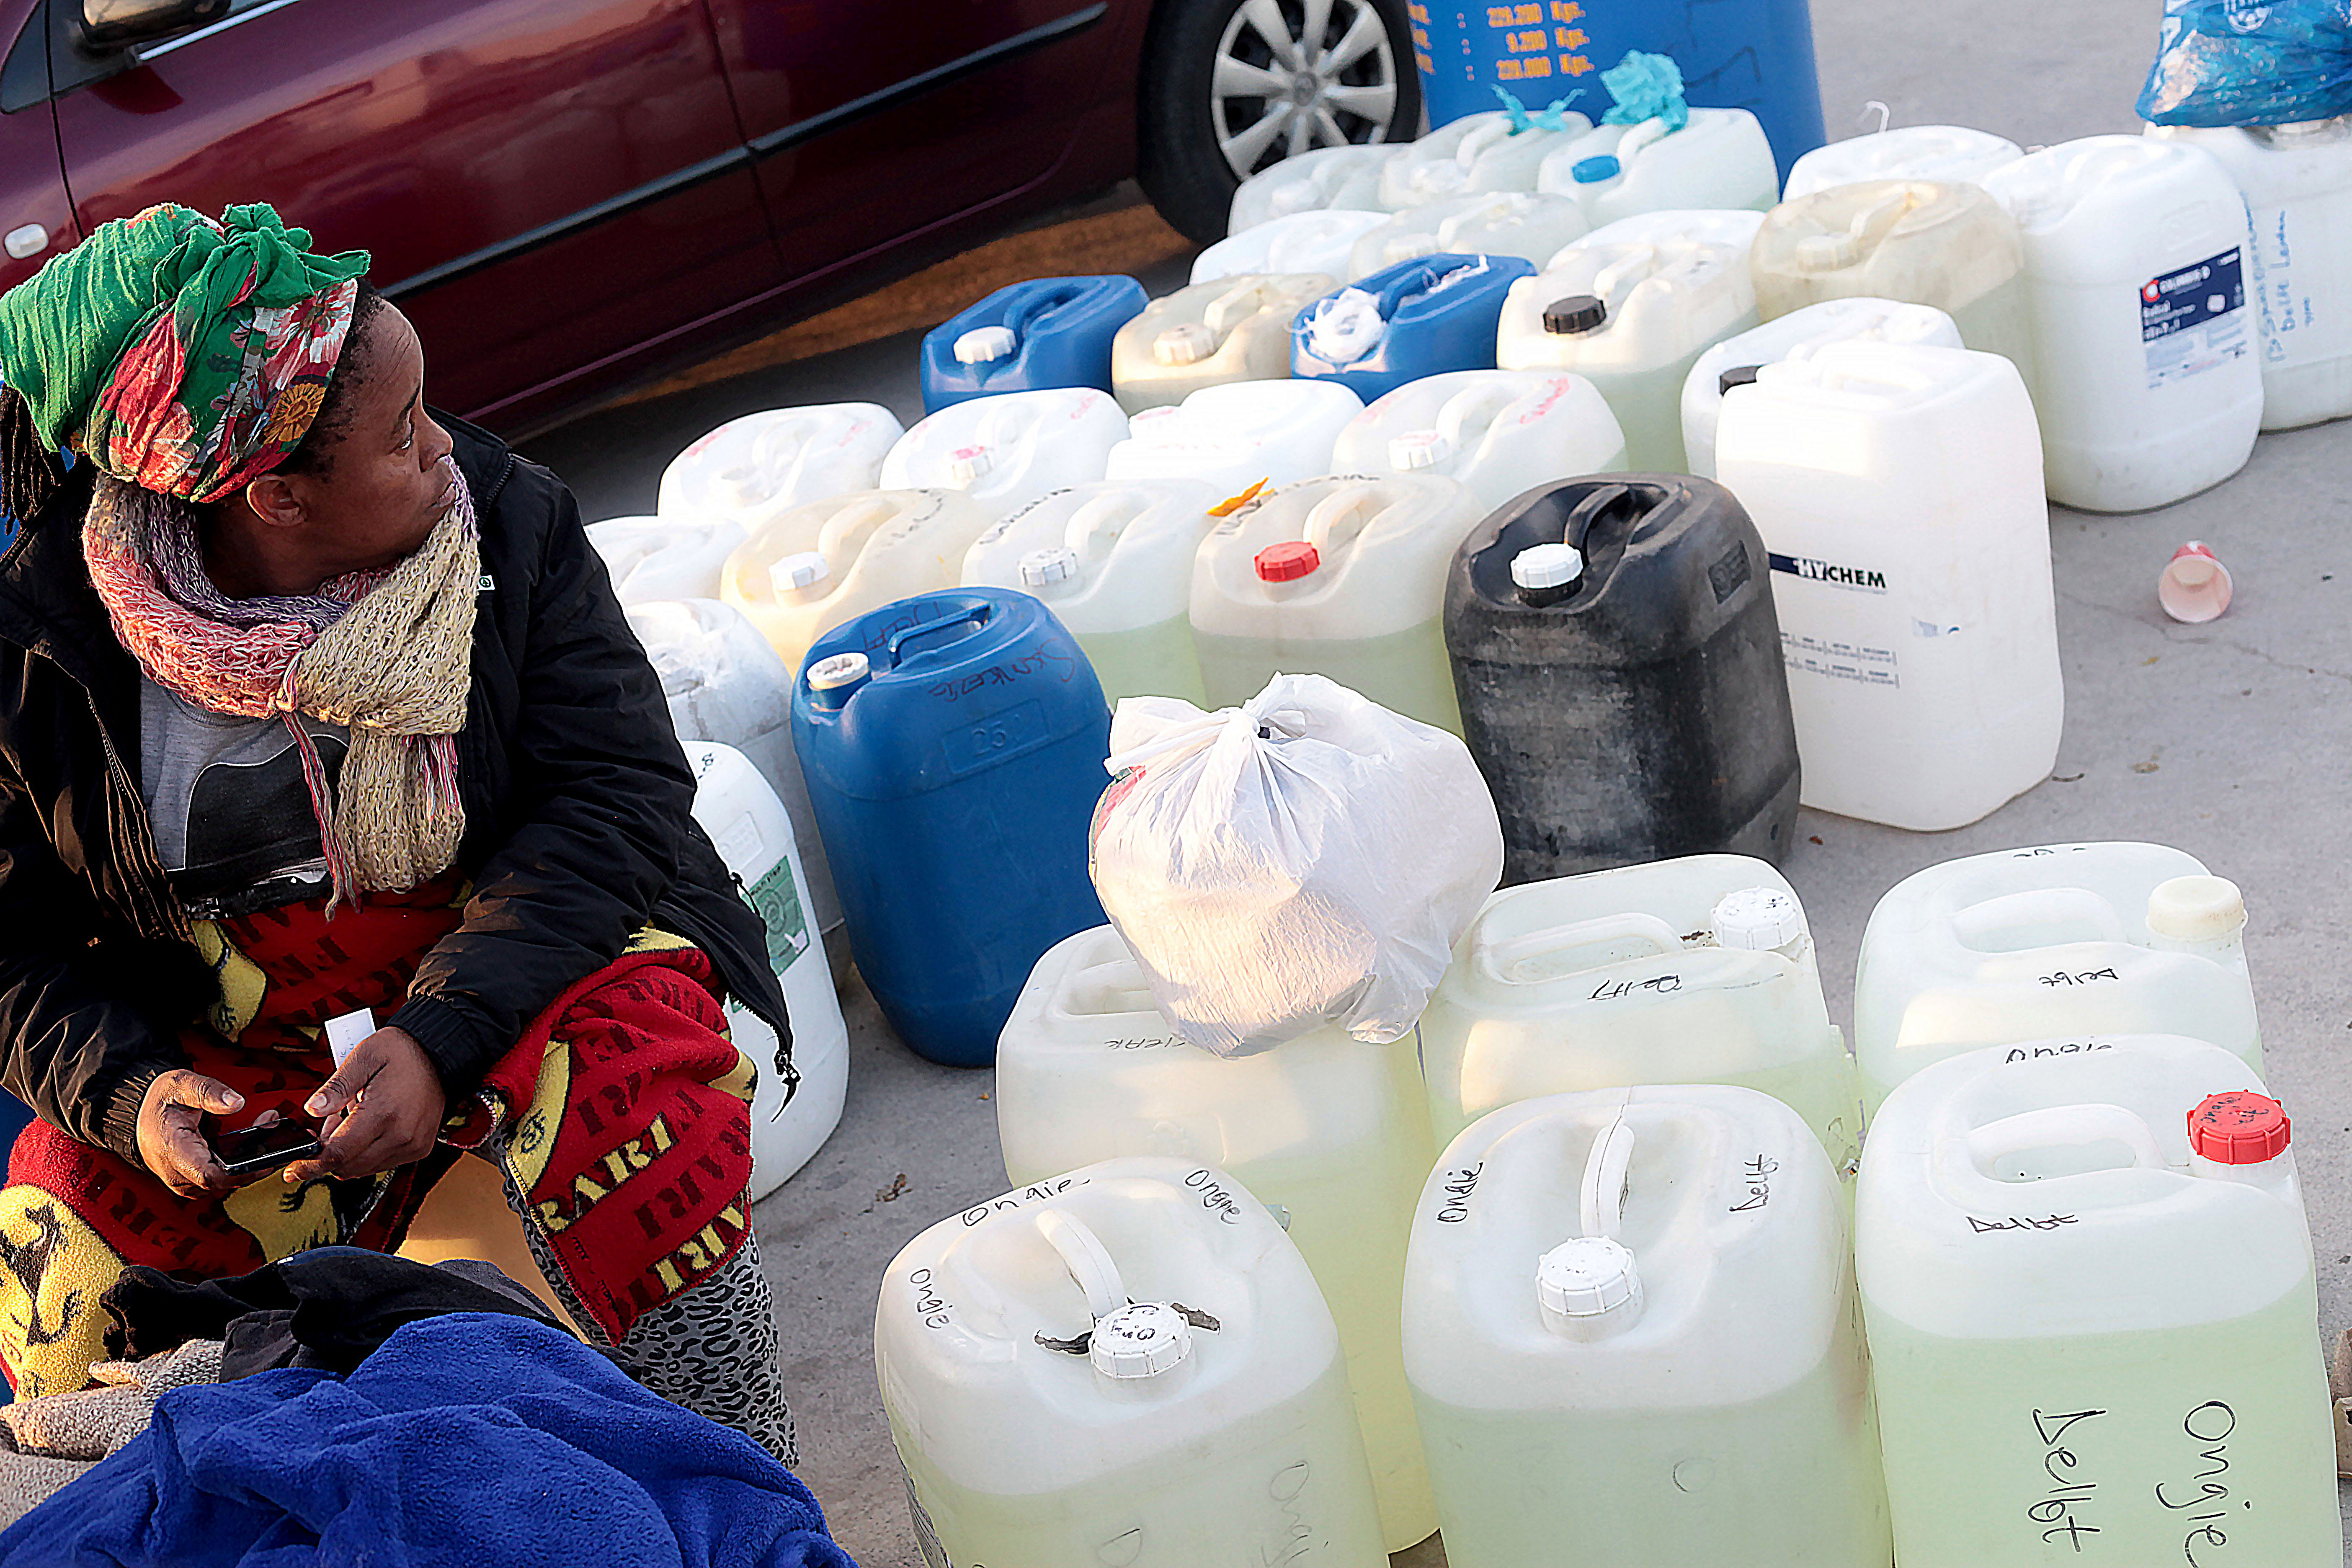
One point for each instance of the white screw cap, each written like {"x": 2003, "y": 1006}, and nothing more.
{"x": 967, "y": 464}
{"x": 1758, "y": 919}
{"x": 1417, "y": 449}
{"x": 1547, "y": 565}
{"x": 1588, "y": 1279}
{"x": 1142, "y": 1340}
{"x": 982, "y": 344}
{"x": 839, "y": 671}
{"x": 1054, "y": 564}
{"x": 1187, "y": 343}
{"x": 804, "y": 569}
{"x": 2196, "y": 909}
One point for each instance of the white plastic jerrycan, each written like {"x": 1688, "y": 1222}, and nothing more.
{"x": 1343, "y": 578}
{"x": 652, "y": 558}
{"x": 1235, "y": 329}
{"x": 752, "y": 468}
{"x": 816, "y": 566}
{"x": 2080, "y": 939}
{"x": 1495, "y": 223}
{"x": 1720, "y": 159}
{"x": 1127, "y": 1364}
{"x": 1499, "y": 432}
{"x": 1733, "y": 226}
{"x": 1006, "y": 450}
{"x": 724, "y": 682}
{"x": 2148, "y": 385}
{"x": 1315, "y": 241}
{"x": 1629, "y": 319}
{"x": 1433, "y": 167}
{"x": 2297, "y": 183}
{"x": 1898, "y": 489}
{"x": 1231, "y": 435}
{"x": 1329, "y": 1132}
{"x": 1631, "y": 1331}
{"x": 1800, "y": 334}
{"x": 1501, "y": 159}
{"x": 790, "y": 1119}
{"x": 1697, "y": 970}
{"x": 1113, "y": 561}
{"x": 2093, "y": 1322}
{"x": 1948, "y": 153}
{"x": 1321, "y": 177}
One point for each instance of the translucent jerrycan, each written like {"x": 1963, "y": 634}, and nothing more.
{"x": 1027, "y": 336}
{"x": 1433, "y": 167}
{"x": 653, "y": 558}
{"x": 1630, "y": 317}
{"x": 817, "y": 565}
{"x": 2093, "y": 1324}
{"x": 1800, "y": 334}
{"x": 1126, "y": 1364}
{"x": 1578, "y": 614}
{"x": 2297, "y": 183}
{"x": 1348, "y": 178}
{"x": 1631, "y": 1331}
{"x": 725, "y": 683}
{"x": 2148, "y": 384}
{"x": 1720, "y": 159}
{"x": 1499, "y": 432}
{"x": 1231, "y": 437}
{"x": 750, "y": 468}
{"x": 1700, "y": 970}
{"x": 2082, "y": 939}
{"x": 1418, "y": 318}
{"x": 1330, "y": 1134}
{"x": 1005, "y": 451}
{"x": 1235, "y": 329}
{"x": 953, "y": 746}
{"x": 1312, "y": 241}
{"x": 1949, "y": 245}
{"x": 1113, "y": 561}
{"x": 1338, "y": 577}
{"x": 1898, "y": 489}
{"x": 1947, "y": 154}
{"x": 1494, "y": 223}
{"x": 790, "y": 1116}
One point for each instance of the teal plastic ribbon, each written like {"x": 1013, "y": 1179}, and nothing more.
{"x": 1553, "y": 116}
{"x": 1646, "y": 86}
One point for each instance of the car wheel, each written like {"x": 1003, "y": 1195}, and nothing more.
{"x": 1231, "y": 87}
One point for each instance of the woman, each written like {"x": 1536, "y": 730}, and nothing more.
{"x": 313, "y": 702}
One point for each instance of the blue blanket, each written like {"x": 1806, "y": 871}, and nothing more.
{"x": 473, "y": 1440}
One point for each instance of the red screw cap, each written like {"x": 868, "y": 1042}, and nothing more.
{"x": 2240, "y": 1128}
{"x": 1287, "y": 561}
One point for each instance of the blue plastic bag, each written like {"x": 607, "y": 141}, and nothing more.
{"x": 2248, "y": 62}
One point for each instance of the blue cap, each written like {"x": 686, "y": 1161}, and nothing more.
{"x": 1592, "y": 171}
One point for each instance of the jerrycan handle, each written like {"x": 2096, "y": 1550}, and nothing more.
{"x": 1871, "y": 225}
{"x": 1468, "y": 416}
{"x": 844, "y": 533}
{"x": 1504, "y": 956}
{"x": 1601, "y": 1197}
{"x": 1088, "y": 1261}
{"x": 2038, "y": 917}
{"x": 1103, "y": 520}
{"x": 965, "y": 616}
{"x": 1039, "y": 302}
{"x": 1649, "y": 130}
{"x": 1597, "y": 503}
{"x": 2064, "y": 1126}
{"x": 1338, "y": 521}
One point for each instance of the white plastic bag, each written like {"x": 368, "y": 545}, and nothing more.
{"x": 1309, "y": 858}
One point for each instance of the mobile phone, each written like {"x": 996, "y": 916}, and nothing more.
{"x": 251, "y": 1151}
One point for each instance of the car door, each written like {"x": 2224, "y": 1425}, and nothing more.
{"x": 546, "y": 184}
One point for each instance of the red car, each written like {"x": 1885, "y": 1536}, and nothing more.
{"x": 567, "y": 195}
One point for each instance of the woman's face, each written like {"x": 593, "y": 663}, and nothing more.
{"x": 389, "y": 477}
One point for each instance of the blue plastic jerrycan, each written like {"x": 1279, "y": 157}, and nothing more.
{"x": 1047, "y": 332}
{"x": 1422, "y": 317}
{"x": 953, "y": 747}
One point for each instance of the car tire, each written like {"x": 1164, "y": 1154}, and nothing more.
{"x": 1200, "y": 127}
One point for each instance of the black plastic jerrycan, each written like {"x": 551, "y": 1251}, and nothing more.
{"x": 1618, "y": 660}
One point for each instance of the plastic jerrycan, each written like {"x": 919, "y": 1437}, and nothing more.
{"x": 1343, "y": 578}
{"x": 1948, "y": 155}
{"x": 1631, "y": 1330}
{"x": 724, "y": 682}
{"x": 2080, "y": 939}
{"x": 1493, "y": 223}
{"x": 953, "y": 746}
{"x": 1949, "y": 245}
{"x": 1113, "y": 561}
{"x": 1231, "y": 437}
{"x": 1800, "y": 334}
{"x": 1005, "y": 451}
{"x": 817, "y": 565}
{"x": 1321, "y": 177}
{"x": 1330, "y": 1134}
{"x": 2297, "y": 183}
{"x": 1314, "y": 241}
{"x": 1733, "y": 226}
{"x": 1720, "y": 159}
{"x": 1502, "y": 159}
{"x": 1499, "y": 432}
{"x": 1630, "y": 319}
{"x": 1027, "y": 336}
{"x": 1577, "y": 618}
{"x": 750, "y": 468}
{"x": 653, "y": 558}
{"x": 1418, "y": 318}
{"x": 1127, "y": 1364}
{"x": 2093, "y": 1324}
{"x": 1700, "y": 970}
{"x": 1431, "y": 167}
{"x": 1235, "y": 329}
{"x": 1898, "y": 489}
{"x": 2149, "y": 386}
{"x": 790, "y": 1120}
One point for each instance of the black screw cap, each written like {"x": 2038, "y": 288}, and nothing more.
{"x": 1577, "y": 313}
{"x": 1738, "y": 376}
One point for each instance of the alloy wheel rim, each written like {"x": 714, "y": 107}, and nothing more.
{"x": 1292, "y": 75}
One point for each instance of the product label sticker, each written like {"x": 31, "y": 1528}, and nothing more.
{"x": 2195, "y": 318}
{"x": 778, "y": 900}
{"x": 1834, "y": 660}
{"x": 1809, "y": 569}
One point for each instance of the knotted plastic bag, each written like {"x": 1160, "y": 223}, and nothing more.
{"x": 1645, "y": 87}
{"x": 2250, "y": 62}
{"x": 1307, "y": 858}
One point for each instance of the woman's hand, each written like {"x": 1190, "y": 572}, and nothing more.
{"x": 171, "y": 1132}
{"x": 383, "y": 1109}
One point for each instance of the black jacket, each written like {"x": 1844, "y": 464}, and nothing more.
{"x": 577, "y": 832}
